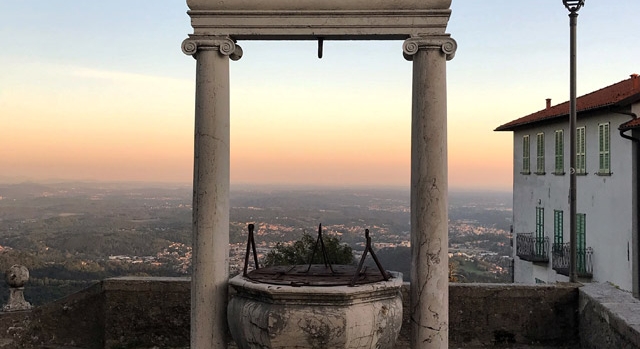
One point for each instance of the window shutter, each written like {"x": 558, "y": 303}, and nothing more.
{"x": 581, "y": 150}
{"x": 540, "y": 153}
{"x": 559, "y": 158}
{"x": 526, "y": 151}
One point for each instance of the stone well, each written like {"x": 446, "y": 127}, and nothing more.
{"x": 263, "y": 315}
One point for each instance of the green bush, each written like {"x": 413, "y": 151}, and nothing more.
{"x": 300, "y": 252}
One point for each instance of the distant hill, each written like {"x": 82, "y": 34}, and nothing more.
{"x": 72, "y": 234}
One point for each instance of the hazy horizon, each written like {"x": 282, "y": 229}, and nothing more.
{"x": 4, "y": 181}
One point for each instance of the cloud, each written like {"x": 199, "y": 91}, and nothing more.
{"x": 124, "y": 77}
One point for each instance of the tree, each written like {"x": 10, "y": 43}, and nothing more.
{"x": 300, "y": 251}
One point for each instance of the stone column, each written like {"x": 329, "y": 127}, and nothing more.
{"x": 210, "y": 259}
{"x": 429, "y": 218}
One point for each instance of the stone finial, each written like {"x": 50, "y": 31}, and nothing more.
{"x": 16, "y": 277}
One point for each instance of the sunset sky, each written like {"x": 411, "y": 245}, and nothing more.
{"x": 100, "y": 90}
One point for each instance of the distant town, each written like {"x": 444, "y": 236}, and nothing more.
{"x": 72, "y": 234}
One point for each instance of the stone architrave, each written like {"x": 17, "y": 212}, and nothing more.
{"x": 313, "y": 19}
{"x": 217, "y": 24}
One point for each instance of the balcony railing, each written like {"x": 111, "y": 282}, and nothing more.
{"x": 531, "y": 248}
{"x": 562, "y": 257}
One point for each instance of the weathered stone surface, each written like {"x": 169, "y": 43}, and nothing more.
{"x": 429, "y": 185}
{"x": 16, "y": 277}
{"x": 154, "y": 312}
{"x": 298, "y": 5}
{"x": 609, "y": 318}
{"x": 146, "y": 312}
{"x": 115, "y": 313}
{"x": 311, "y": 19}
{"x": 276, "y": 316}
{"x": 210, "y": 262}
{"x": 74, "y": 321}
{"x": 488, "y": 315}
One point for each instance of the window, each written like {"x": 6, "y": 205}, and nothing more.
{"x": 581, "y": 150}
{"x": 540, "y": 231}
{"x": 558, "y": 238}
{"x": 559, "y": 163}
{"x": 604, "y": 140}
{"x": 540, "y": 153}
{"x": 526, "y": 169}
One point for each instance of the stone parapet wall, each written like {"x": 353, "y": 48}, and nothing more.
{"x": 74, "y": 321}
{"x": 146, "y": 312}
{"x": 154, "y": 312}
{"x": 609, "y": 318}
{"x": 489, "y": 315}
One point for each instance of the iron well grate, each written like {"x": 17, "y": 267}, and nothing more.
{"x": 325, "y": 274}
{"x": 317, "y": 275}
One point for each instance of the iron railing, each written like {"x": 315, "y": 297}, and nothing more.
{"x": 531, "y": 248}
{"x": 562, "y": 258}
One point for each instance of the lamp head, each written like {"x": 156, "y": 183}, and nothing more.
{"x": 573, "y": 5}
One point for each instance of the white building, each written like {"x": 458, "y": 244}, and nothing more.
{"x": 607, "y": 141}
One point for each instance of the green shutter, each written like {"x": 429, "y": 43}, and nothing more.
{"x": 540, "y": 222}
{"x": 526, "y": 151}
{"x": 581, "y": 230}
{"x": 558, "y": 235}
{"x": 539, "y": 245}
{"x": 604, "y": 150}
{"x": 540, "y": 153}
{"x": 581, "y": 166}
{"x": 559, "y": 159}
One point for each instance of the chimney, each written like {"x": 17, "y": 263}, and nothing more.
{"x": 548, "y": 103}
{"x": 636, "y": 81}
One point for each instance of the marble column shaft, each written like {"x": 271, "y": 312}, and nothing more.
{"x": 210, "y": 259}
{"x": 429, "y": 185}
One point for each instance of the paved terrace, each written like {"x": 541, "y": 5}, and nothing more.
{"x": 154, "y": 313}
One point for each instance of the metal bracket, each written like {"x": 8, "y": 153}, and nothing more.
{"x": 320, "y": 47}
{"x": 368, "y": 248}
{"x": 325, "y": 257}
{"x": 251, "y": 244}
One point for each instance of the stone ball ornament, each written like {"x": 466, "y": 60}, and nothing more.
{"x": 17, "y": 276}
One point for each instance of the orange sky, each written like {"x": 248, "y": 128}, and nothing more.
{"x": 78, "y": 101}
{"x": 115, "y": 126}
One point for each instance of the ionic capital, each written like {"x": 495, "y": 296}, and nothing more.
{"x": 414, "y": 44}
{"x": 223, "y": 44}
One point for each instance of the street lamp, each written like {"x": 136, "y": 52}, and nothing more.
{"x": 573, "y": 6}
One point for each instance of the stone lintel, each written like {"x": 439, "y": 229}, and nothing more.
{"x": 302, "y": 5}
{"x": 370, "y": 24}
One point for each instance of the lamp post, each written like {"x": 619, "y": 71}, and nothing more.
{"x": 573, "y": 6}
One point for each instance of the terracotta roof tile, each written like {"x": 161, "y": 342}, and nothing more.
{"x": 635, "y": 123}
{"x": 620, "y": 94}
